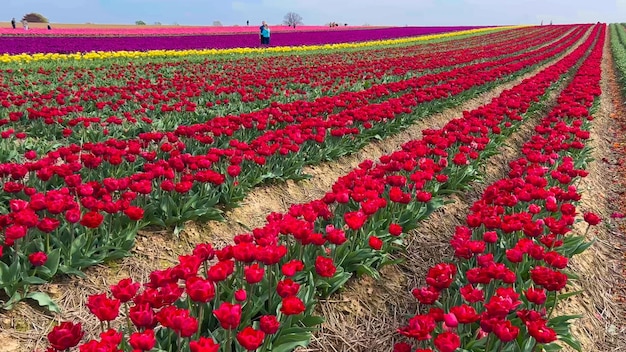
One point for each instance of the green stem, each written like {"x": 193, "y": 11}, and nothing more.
{"x": 229, "y": 344}
{"x": 200, "y": 318}
{"x": 556, "y": 299}
{"x": 270, "y": 290}
{"x": 128, "y": 324}
{"x": 489, "y": 342}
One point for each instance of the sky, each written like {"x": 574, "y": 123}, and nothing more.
{"x": 319, "y": 12}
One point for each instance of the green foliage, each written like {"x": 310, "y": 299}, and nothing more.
{"x": 140, "y": 23}
{"x": 618, "y": 47}
{"x": 34, "y": 18}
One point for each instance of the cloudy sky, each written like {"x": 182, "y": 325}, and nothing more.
{"x": 315, "y": 12}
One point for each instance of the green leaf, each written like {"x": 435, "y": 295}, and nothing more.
{"x": 52, "y": 264}
{"x": 16, "y": 297}
{"x": 570, "y": 294}
{"x": 363, "y": 269}
{"x": 4, "y": 274}
{"x": 311, "y": 320}
{"x": 14, "y": 271}
{"x": 563, "y": 319}
{"x": 573, "y": 343}
{"x": 34, "y": 280}
{"x": 552, "y": 347}
{"x": 288, "y": 342}
{"x": 78, "y": 244}
{"x": 71, "y": 271}
{"x": 44, "y": 300}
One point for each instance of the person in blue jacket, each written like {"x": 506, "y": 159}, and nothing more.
{"x": 261, "y": 31}
{"x": 265, "y": 35}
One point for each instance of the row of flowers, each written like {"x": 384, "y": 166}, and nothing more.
{"x": 133, "y": 97}
{"x": 293, "y": 44}
{"x": 165, "y": 30}
{"x": 259, "y": 292}
{"x": 67, "y": 220}
{"x": 510, "y": 258}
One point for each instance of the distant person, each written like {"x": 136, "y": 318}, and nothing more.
{"x": 248, "y": 23}
{"x": 294, "y": 26}
{"x": 265, "y": 35}
{"x": 261, "y": 31}
{"x": 49, "y": 28}
{"x": 25, "y": 25}
{"x": 13, "y": 22}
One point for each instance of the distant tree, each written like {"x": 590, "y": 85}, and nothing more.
{"x": 291, "y": 19}
{"x": 175, "y": 24}
{"x": 140, "y": 23}
{"x": 34, "y": 18}
{"x": 157, "y": 23}
{"x": 217, "y": 24}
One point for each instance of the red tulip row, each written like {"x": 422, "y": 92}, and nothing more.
{"x": 53, "y": 222}
{"x": 185, "y": 91}
{"x": 259, "y": 292}
{"x": 121, "y": 153}
{"x": 511, "y": 256}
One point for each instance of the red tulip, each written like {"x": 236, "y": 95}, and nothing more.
{"x": 125, "y": 290}
{"x": 37, "y": 258}
{"x": 143, "y": 341}
{"x": 269, "y": 324}
{"x": 229, "y": 315}
{"x": 325, "y": 267}
{"x": 92, "y": 219}
{"x": 447, "y": 342}
{"x": 103, "y": 308}
{"x": 65, "y": 336}
{"x": 250, "y": 338}
{"x": 292, "y": 306}
{"x": 592, "y": 219}
{"x": 204, "y": 344}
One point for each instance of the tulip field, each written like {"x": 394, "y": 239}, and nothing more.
{"x": 117, "y": 143}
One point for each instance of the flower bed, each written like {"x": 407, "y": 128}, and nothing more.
{"x": 63, "y": 205}
{"x": 511, "y": 257}
{"x": 53, "y": 44}
{"x": 206, "y": 89}
{"x": 62, "y": 30}
{"x": 259, "y": 292}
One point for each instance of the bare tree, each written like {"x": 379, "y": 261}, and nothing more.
{"x": 291, "y": 19}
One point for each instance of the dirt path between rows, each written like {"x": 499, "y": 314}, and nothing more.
{"x": 25, "y": 327}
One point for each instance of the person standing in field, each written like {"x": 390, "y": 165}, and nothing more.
{"x": 13, "y": 22}
{"x": 265, "y": 35}
{"x": 261, "y": 32}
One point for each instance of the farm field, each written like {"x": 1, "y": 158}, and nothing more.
{"x": 180, "y": 39}
{"x": 349, "y": 189}
{"x": 126, "y": 30}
